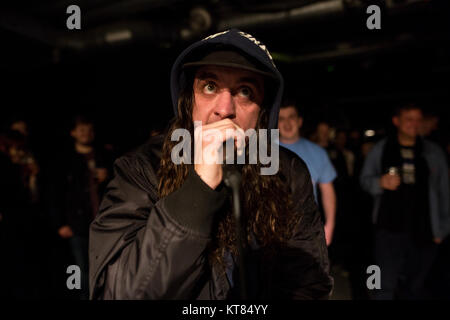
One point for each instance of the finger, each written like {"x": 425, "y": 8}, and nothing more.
{"x": 221, "y": 124}
{"x": 222, "y": 134}
{"x": 223, "y": 131}
{"x": 238, "y": 137}
{"x": 212, "y": 136}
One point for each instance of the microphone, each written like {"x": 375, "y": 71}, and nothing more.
{"x": 231, "y": 176}
{"x": 232, "y": 179}
{"x": 231, "y": 171}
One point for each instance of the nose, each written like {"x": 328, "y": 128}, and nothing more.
{"x": 225, "y": 105}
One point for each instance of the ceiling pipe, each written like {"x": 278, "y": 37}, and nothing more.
{"x": 306, "y": 13}
{"x": 198, "y": 23}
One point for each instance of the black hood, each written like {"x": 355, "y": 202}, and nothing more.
{"x": 241, "y": 41}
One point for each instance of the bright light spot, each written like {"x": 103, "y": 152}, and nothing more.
{"x": 118, "y": 36}
{"x": 369, "y": 133}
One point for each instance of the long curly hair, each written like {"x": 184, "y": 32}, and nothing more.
{"x": 266, "y": 211}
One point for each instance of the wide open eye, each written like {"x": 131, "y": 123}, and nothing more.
{"x": 246, "y": 92}
{"x": 210, "y": 87}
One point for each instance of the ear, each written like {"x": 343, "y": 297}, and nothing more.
{"x": 72, "y": 133}
{"x": 395, "y": 121}
{"x": 299, "y": 122}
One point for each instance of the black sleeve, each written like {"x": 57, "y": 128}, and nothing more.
{"x": 143, "y": 247}
{"x": 303, "y": 267}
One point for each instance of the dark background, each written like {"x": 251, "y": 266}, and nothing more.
{"x": 341, "y": 71}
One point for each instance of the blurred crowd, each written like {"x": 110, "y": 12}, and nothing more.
{"x": 46, "y": 207}
{"x": 385, "y": 200}
{"x": 47, "y": 203}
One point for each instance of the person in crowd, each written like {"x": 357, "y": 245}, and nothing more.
{"x": 316, "y": 158}
{"x": 84, "y": 172}
{"x": 322, "y": 135}
{"x": 407, "y": 177}
{"x": 21, "y": 155}
{"x": 352, "y": 218}
{"x": 340, "y": 145}
{"x": 343, "y": 161}
{"x": 429, "y": 125}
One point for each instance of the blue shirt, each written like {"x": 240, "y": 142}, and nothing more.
{"x": 316, "y": 159}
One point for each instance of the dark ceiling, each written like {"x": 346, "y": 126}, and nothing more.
{"x": 301, "y": 31}
{"x": 123, "y": 53}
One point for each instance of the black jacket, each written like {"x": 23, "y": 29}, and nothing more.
{"x": 146, "y": 247}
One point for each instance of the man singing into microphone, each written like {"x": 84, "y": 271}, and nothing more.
{"x": 166, "y": 230}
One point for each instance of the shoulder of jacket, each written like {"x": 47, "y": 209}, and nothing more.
{"x": 434, "y": 149}
{"x": 147, "y": 154}
{"x": 432, "y": 146}
{"x": 377, "y": 148}
{"x": 381, "y": 143}
{"x": 141, "y": 164}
